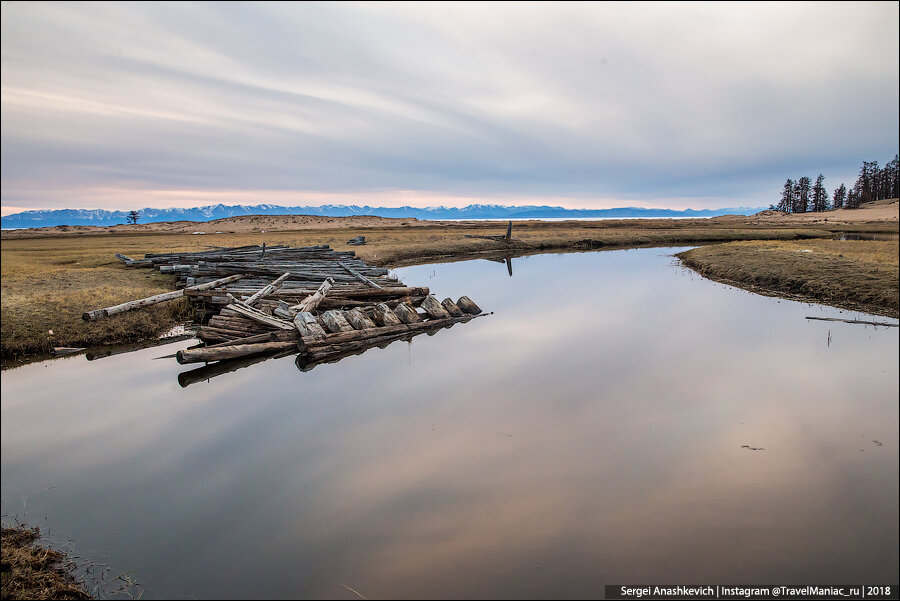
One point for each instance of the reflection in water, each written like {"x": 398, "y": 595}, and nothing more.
{"x": 592, "y": 436}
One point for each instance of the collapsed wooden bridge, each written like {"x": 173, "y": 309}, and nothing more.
{"x": 320, "y": 303}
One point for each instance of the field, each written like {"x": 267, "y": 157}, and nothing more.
{"x": 51, "y": 276}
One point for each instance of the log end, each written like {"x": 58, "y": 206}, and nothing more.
{"x": 179, "y": 356}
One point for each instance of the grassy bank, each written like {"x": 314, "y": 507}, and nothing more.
{"x": 31, "y": 571}
{"x": 49, "y": 281}
{"x": 852, "y": 274}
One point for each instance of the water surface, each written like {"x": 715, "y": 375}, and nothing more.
{"x": 590, "y": 432}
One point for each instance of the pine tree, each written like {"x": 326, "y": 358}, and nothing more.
{"x": 840, "y": 195}
{"x": 133, "y": 217}
{"x": 820, "y": 195}
{"x": 786, "y": 205}
{"x": 801, "y": 195}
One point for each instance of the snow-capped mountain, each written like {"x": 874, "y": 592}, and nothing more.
{"x": 41, "y": 218}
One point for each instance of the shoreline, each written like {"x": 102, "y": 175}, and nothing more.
{"x": 50, "y": 280}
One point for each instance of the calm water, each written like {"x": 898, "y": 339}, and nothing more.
{"x": 590, "y": 432}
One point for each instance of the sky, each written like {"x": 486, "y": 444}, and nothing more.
{"x": 587, "y": 105}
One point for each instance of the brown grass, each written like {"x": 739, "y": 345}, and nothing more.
{"x": 49, "y": 281}
{"x": 31, "y": 571}
{"x": 853, "y": 274}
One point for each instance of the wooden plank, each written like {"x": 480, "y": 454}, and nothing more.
{"x": 261, "y": 317}
{"x": 359, "y": 276}
{"x": 152, "y": 300}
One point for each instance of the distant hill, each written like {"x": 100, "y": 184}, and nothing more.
{"x": 476, "y": 211}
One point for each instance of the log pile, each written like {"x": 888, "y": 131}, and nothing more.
{"x": 320, "y": 303}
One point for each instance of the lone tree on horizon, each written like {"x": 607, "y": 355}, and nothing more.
{"x": 133, "y": 217}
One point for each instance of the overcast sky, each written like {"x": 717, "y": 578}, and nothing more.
{"x": 125, "y": 106}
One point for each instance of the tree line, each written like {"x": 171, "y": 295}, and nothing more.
{"x": 873, "y": 183}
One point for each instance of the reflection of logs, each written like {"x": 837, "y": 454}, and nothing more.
{"x": 186, "y": 378}
{"x": 231, "y": 351}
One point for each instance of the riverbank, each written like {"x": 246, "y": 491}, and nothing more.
{"x": 32, "y": 571}
{"x": 48, "y": 281}
{"x": 860, "y": 275}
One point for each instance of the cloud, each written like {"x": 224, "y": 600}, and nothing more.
{"x": 591, "y": 103}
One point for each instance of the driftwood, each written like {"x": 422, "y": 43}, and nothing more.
{"x": 221, "y": 353}
{"x": 452, "y": 308}
{"x": 358, "y": 275}
{"x": 312, "y": 301}
{"x": 357, "y": 241}
{"x": 465, "y": 303}
{"x": 857, "y": 321}
{"x": 335, "y": 321}
{"x": 406, "y": 313}
{"x": 152, "y": 300}
{"x": 268, "y": 289}
{"x": 307, "y": 326}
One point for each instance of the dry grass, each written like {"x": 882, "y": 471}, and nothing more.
{"x": 49, "y": 281}
{"x": 31, "y": 571}
{"x": 853, "y": 274}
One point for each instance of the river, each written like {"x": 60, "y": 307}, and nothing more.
{"x": 617, "y": 420}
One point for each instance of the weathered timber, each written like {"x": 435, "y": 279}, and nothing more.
{"x": 406, "y": 313}
{"x": 283, "y": 310}
{"x": 307, "y": 326}
{"x": 357, "y": 241}
{"x": 358, "y": 319}
{"x": 451, "y": 307}
{"x": 858, "y": 321}
{"x": 340, "y": 338}
{"x": 152, "y": 300}
{"x": 465, "y": 303}
{"x": 201, "y": 374}
{"x": 434, "y": 308}
{"x": 221, "y": 353}
{"x": 312, "y": 301}
{"x": 268, "y": 289}
{"x": 384, "y": 315}
{"x": 358, "y": 275}
{"x": 335, "y": 321}
{"x": 261, "y": 317}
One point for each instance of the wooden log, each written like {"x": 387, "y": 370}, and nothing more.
{"x": 384, "y": 316}
{"x": 152, "y": 300}
{"x": 335, "y": 321}
{"x": 451, "y": 307}
{"x": 307, "y": 326}
{"x": 283, "y": 311}
{"x": 434, "y": 308}
{"x": 857, "y": 321}
{"x": 201, "y": 374}
{"x": 358, "y": 275}
{"x": 261, "y": 317}
{"x": 221, "y": 353}
{"x": 268, "y": 289}
{"x": 312, "y": 301}
{"x": 509, "y": 233}
{"x": 406, "y": 313}
{"x": 403, "y": 328}
{"x": 359, "y": 320}
{"x": 465, "y": 303}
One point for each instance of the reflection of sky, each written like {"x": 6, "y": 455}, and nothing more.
{"x": 589, "y": 432}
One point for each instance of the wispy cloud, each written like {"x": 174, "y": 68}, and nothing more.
{"x": 584, "y": 104}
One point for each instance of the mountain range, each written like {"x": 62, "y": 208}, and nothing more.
{"x": 49, "y": 218}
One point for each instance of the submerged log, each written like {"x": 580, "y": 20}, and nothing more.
{"x": 221, "y": 353}
{"x": 465, "y": 303}
{"x": 434, "y": 308}
{"x": 857, "y": 321}
{"x": 152, "y": 300}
